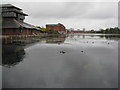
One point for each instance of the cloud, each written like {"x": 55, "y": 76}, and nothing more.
{"x": 89, "y": 15}
{"x": 104, "y": 11}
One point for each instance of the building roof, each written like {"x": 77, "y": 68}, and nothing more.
{"x": 12, "y": 23}
{"x": 17, "y": 12}
{"x": 26, "y": 25}
{"x": 53, "y": 24}
{"x": 13, "y": 10}
{"x": 9, "y": 5}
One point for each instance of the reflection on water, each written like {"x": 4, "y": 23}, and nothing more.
{"x": 66, "y": 61}
{"x": 12, "y": 55}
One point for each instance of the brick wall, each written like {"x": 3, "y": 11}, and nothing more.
{"x": 58, "y": 27}
{"x": 10, "y": 32}
{"x": 17, "y": 32}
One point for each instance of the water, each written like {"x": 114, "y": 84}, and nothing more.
{"x": 71, "y": 61}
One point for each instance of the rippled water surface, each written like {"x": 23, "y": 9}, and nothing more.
{"x": 67, "y": 61}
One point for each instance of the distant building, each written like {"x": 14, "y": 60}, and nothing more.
{"x": 56, "y": 27}
{"x": 13, "y": 21}
{"x": 75, "y": 31}
{"x": 83, "y": 29}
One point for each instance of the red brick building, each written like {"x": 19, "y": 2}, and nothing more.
{"x": 56, "y": 27}
{"x": 13, "y": 22}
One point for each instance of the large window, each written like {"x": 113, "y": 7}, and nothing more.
{"x": 9, "y": 14}
{"x": 10, "y": 9}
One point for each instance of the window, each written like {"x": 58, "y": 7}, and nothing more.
{"x": 9, "y": 14}
{"x": 21, "y": 29}
{"x": 4, "y": 8}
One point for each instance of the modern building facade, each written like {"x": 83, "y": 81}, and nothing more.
{"x": 13, "y": 22}
{"x": 56, "y": 27}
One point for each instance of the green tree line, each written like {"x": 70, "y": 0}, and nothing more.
{"x": 114, "y": 30}
{"x": 49, "y": 31}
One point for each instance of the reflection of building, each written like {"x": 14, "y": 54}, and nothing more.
{"x": 57, "y": 40}
{"x": 56, "y": 27}
{"x": 12, "y": 54}
{"x": 13, "y": 22}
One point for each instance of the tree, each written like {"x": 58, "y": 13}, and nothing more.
{"x": 114, "y": 30}
{"x": 43, "y": 29}
{"x": 102, "y": 31}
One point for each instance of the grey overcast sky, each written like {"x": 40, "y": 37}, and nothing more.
{"x": 77, "y": 15}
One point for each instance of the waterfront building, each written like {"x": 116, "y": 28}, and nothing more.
{"x": 56, "y": 27}
{"x": 13, "y": 21}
